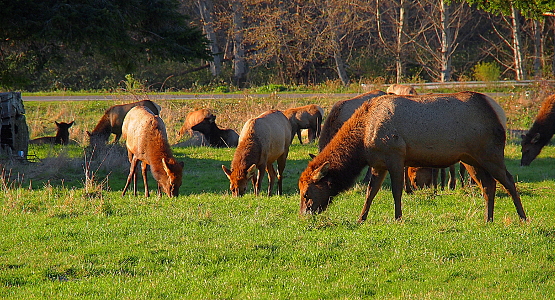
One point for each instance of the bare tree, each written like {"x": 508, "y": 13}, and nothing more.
{"x": 517, "y": 44}
{"x": 446, "y": 41}
{"x": 239, "y": 62}
{"x": 436, "y": 40}
{"x": 392, "y": 21}
{"x": 205, "y": 8}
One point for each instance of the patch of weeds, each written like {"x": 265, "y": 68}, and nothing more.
{"x": 60, "y": 274}
{"x": 317, "y": 222}
{"x": 12, "y": 281}
{"x": 93, "y": 188}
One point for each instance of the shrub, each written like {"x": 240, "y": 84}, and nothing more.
{"x": 486, "y": 71}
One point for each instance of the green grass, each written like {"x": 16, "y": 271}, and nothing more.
{"x": 59, "y": 241}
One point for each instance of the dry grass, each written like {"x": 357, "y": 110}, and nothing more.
{"x": 521, "y": 109}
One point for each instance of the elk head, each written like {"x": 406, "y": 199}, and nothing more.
{"x": 238, "y": 182}
{"x": 530, "y": 148}
{"x": 173, "y": 179}
{"x": 315, "y": 190}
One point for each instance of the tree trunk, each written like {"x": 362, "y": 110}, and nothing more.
{"x": 517, "y": 45}
{"x": 401, "y": 40}
{"x": 239, "y": 62}
{"x": 537, "y": 49}
{"x": 339, "y": 63}
{"x": 205, "y": 7}
{"x": 446, "y": 41}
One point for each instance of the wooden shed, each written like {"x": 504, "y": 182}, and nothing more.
{"x": 14, "y": 133}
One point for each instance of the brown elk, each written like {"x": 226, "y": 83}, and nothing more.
{"x": 420, "y": 177}
{"x": 147, "y": 142}
{"x": 112, "y": 121}
{"x": 541, "y": 132}
{"x": 392, "y": 132}
{"x": 216, "y": 136}
{"x": 340, "y": 112}
{"x": 262, "y": 141}
{"x": 195, "y": 117}
{"x": 416, "y": 177}
{"x": 61, "y": 138}
{"x": 305, "y": 117}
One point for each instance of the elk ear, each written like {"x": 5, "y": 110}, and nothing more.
{"x": 57, "y": 124}
{"x": 70, "y": 123}
{"x": 226, "y": 171}
{"x": 536, "y": 138}
{"x": 312, "y": 156}
{"x": 165, "y": 165}
{"x": 88, "y": 133}
{"x": 250, "y": 171}
{"x": 321, "y": 171}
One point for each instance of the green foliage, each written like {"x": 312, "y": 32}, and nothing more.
{"x": 486, "y": 71}
{"x": 125, "y": 33}
{"x": 132, "y": 84}
{"x": 270, "y": 88}
{"x": 529, "y": 8}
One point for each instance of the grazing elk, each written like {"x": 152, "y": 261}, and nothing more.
{"x": 147, "y": 142}
{"x": 392, "y": 132}
{"x": 61, "y": 138}
{"x": 195, "y": 117}
{"x": 541, "y": 132}
{"x": 262, "y": 141}
{"x": 112, "y": 121}
{"x": 305, "y": 117}
{"x": 416, "y": 177}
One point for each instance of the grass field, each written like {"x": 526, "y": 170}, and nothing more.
{"x": 65, "y": 237}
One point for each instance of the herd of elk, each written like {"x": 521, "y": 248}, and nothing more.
{"x": 388, "y": 132}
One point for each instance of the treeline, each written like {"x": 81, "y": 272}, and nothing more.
{"x": 298, "y": 42}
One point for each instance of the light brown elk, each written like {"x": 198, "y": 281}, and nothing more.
{"x": 401, "y": 89}
{"x": 262, "y": 141}
{"x": 147, "y": 142}
{"x": 392, "y": 132}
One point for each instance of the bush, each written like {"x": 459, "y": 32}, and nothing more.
{"x": 486, "y": 71}
{"x": 270, "y": 88}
